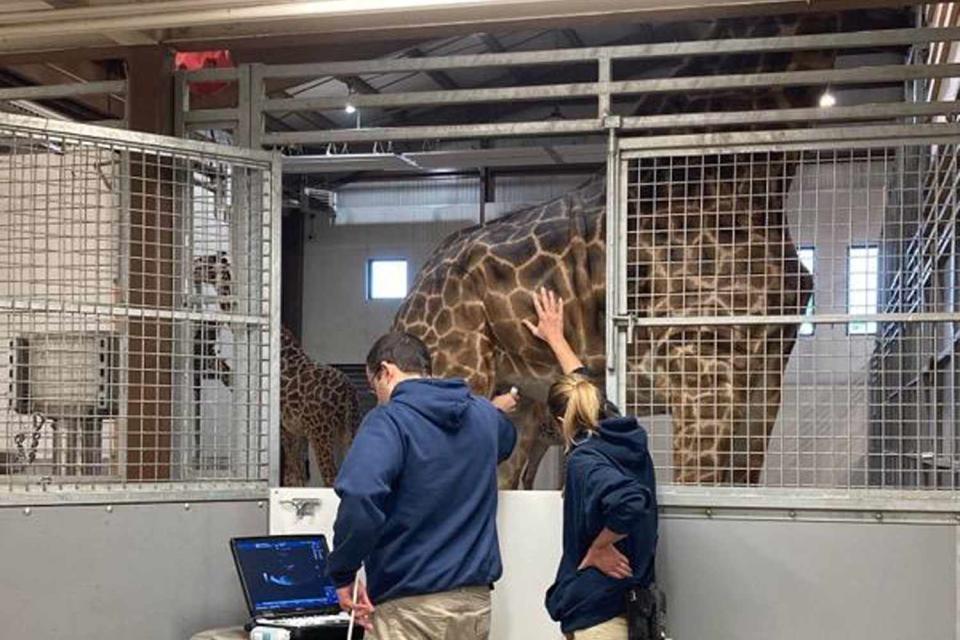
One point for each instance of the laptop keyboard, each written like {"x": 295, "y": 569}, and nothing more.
{"x": 307, "y": 621}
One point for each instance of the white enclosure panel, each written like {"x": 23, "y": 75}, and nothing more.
{"x": 529, "y": 523}
{"x": 727, "y": 579}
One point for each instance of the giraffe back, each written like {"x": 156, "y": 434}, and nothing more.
{"x": 479, "y": 282}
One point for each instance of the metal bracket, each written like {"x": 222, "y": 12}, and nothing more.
{"x": 302, "y": 506}
{"x": 612, "y": 122}
{"x": 631, "y": 321}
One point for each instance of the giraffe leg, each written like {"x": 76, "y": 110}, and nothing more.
{"x": 761, "y": 407}
{"x": 702, "y": 408}
{"x": 534, "y": 457}
{"x": 324, "y": 455}
{"x": 512, "y": 469}
{"x": 528, "y": 419}
{"x": 292, "y": 448}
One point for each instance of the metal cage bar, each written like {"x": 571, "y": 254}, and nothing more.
{"x": 812, "y": 275}
{"x": 138, "y": 299}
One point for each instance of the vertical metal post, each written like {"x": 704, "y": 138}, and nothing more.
{"x": 181, "y": 104}
{"x": 616, "y": 345}
{"x": 257, "y": 95}
{"x": 957, "y": 599}
{"x": 486, "y": 193}
{"x": 275, "y": 214}
{"x": 182, "y": 441}
{"x": 243, "y": 136}
{"x": 122, "y": 297}
{"x": 603, "y": 78}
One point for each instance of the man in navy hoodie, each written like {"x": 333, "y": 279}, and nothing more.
{"x": 418, "y": 501}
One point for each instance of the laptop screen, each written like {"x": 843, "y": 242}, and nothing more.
{"x": 285, "y": 573}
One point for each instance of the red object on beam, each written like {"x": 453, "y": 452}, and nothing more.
{"x": 191, "y": 60}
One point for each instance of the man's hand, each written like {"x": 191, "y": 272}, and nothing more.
{"x": 608, "y": 560}
{"x": 507, "y": 402}
{"x": 549, "y": 306}
{"x": 363, "y": 607}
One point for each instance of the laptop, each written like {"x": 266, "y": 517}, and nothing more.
{"x": 285, "y": 583}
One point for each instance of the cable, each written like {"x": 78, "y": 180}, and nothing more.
{"x": 353, "y": 609}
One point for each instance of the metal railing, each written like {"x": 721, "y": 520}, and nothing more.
{"x": 24, "y": 99}
{"x": 247, "y": 119}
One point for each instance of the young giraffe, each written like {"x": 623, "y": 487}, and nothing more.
{"x": 318, "y": 404}
{"x": 711, "y": 241}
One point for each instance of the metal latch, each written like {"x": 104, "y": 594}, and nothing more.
{"x": 631, "y": 321}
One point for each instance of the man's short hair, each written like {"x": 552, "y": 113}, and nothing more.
{"x": 407, "y": 352}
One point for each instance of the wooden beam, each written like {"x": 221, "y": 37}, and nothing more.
{"x": 152, "y": 280}
{"x": 150, "y": 89}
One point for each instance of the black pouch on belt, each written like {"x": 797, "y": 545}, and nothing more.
{"x": 643, "y": 614}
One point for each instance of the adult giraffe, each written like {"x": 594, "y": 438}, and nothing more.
{"x": 708, "y": 237}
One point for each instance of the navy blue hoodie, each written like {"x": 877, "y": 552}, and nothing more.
{"x": 418, "y": 493}
{"x": 609, "y": 483}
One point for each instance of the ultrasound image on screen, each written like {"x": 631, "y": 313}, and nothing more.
{"x": 286, "y": 574}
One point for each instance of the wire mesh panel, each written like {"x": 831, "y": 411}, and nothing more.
{"x": 792, "y": 314}
{"x": 136, "y": 292}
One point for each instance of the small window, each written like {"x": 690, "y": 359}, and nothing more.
{"x": 862, "y": 283}
{"x": 806, "y": 255}
{"x": 386, "y": 279}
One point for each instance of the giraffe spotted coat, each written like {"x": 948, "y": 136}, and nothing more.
{"x": 707, "y": 237}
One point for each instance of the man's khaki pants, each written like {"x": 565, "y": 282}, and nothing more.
{"x": 462, "y": 614}
{"x": 615, "y": 629}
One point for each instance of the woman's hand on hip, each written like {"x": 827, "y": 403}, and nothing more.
{"x": 608, "y": 560}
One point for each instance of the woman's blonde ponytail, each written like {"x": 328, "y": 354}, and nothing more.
{"x": 576, "y": 401}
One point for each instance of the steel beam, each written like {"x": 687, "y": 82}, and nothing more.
{"x": 852, "y": 40}
{"x": 64, "y": 90}
{"x": 423, "y": 133}
{"x": 835, "y": 77}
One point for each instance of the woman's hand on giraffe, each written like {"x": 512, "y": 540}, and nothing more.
{"x": 549, "y": 307}
{"x": 549, "y": 328}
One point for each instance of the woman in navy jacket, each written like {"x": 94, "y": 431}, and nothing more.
{"x": 609, "y": 502}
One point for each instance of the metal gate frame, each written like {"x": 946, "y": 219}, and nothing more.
{"x": 247, "y": 121}
{"x": 177, "y": 490}
{"x": 764, "y": 503}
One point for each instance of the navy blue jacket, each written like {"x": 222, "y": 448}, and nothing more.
{"x": 418, "y": 493}
{"x": 609, "y": 483}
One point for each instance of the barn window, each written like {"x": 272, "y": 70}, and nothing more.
{"x": 386, "y": 279}
{"x": 863, "y": 266}
{"x": 806, "y": 255}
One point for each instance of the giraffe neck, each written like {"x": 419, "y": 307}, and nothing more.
{"x": 752, "y": 63}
